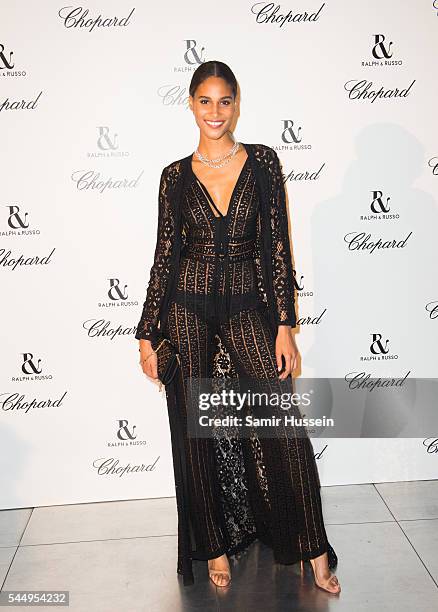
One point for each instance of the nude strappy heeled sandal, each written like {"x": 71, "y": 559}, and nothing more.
{"x": 331, "y": 585}
{"x": 214, "y": 572}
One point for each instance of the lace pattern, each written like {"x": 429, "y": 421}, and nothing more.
{"x": 160, "y": 270}
{"x": 230, "y": 489}
{"x": 282, "y": 274}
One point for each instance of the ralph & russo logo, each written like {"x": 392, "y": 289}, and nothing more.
{"x": 177, "y": 94}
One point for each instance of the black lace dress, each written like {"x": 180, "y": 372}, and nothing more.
{"x": 231, "y": 489}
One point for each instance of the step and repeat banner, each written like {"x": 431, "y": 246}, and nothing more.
{"x": 93, "y": 105}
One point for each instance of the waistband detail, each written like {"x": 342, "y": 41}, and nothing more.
{"x": 237, "y": 251}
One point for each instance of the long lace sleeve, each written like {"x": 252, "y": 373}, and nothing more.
{"x": 283, "y": 284}
{"x": 160, "y": 270}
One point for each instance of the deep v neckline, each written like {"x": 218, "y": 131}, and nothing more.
{"x": 207, "y": 193}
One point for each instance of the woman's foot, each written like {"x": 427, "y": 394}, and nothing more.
{"x": 219, "y": 571}
{"x": 324, "y": 579}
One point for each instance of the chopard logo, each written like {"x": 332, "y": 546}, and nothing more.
{"x": 269, "y": 13}
{"x": 99, "y": 328}
{"x": 433, "y": 163}
{"x": 357, "y": 381}
{"x": 22, "y": 104}
{"x": 318, "y": 454}
{"x": 89, "y": 180}
{"x": 302, "y": 175}
{"x": 432, "y": 309}
{"x": 309, "y": 320}
{"x": 16, "y": 403}
{"x": 358, "y": 241}
{"x": 110, "y": 467}
{"x": 78, "y": 18}
{"x": 431, "y": 445}
{"x": 361, "y": 90}
{"x": 12, "y": 262}
{"x": 173, "y": 95}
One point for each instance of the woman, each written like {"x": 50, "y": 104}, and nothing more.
{"x": 221, "y": 289}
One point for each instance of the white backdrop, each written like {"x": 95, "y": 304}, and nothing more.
{"x": 90, "y": 113}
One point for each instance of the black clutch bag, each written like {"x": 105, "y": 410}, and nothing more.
{"x": 168, "y": 359}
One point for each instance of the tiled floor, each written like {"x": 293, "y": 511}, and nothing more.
{"x": 121, "y": 556}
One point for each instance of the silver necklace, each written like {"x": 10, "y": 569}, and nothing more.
{"x": 219, "y": 161}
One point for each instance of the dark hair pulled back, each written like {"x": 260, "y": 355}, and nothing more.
{"x": 213, "y": 68}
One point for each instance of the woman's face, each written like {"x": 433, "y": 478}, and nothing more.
{"x": 213, "y": 106}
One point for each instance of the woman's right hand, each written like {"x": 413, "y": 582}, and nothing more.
{"x": 148, "y": 360}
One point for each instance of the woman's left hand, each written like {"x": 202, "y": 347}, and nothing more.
{"x": 285, "y": 346}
